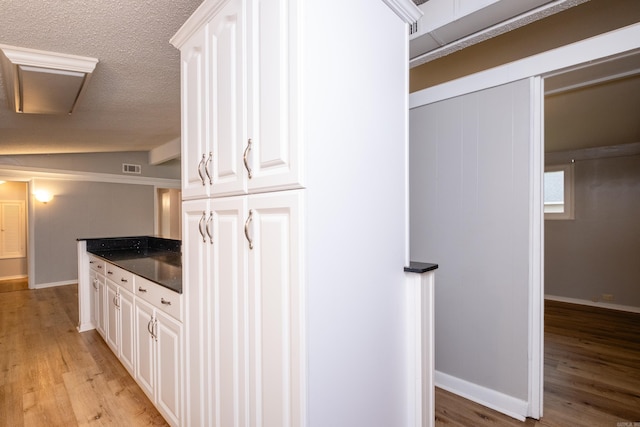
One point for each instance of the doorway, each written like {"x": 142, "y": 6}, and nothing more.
{"x": 13, "y": 234}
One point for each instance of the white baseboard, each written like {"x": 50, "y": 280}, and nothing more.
{"x": 19, "y": 276}
{"x": 590, "y": 303}
{"x": 508, "y": 405}
{"x": 54, "y": 284}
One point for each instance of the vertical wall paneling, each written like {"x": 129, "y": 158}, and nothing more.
{"x": 470, "y": 212}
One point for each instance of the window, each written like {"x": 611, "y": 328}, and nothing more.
{"x": 558, "y": 192}
{"x": 12, "y": 230}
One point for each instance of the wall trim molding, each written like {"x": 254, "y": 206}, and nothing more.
{"x": 508, "y": 405}
{"x": 598, "y": 304}
{"x": 54, "y": 284}
{"x": 19, "y": 276}
{"x": 405, "y": 9}
{"x": 25, "y": 173}
{"x": 620, "y": 150}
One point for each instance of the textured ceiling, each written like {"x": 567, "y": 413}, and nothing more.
{"x": 132, "y": 102}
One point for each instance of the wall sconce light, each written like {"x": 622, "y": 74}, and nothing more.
{"x": 43, "y": 196}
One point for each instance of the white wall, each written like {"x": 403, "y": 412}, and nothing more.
{"x": 355, "y": 142}
{"x": 470, "y": 213}
{"x": 597, "y": 252}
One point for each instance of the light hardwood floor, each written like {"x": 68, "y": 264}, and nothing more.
{"x": 591, "y": 378}
{"x": 51, "y": 375}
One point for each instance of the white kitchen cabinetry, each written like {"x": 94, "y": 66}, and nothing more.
{"x": 240, "y": 127}
{"x": 119, "y": 325}
{"x": 259, "y": 77}
{"x": 98, "y": 293}
{"x": 158, "y": 350}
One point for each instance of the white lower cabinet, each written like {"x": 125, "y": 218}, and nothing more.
{"x": 119, "y": 326}
{"x": 158, "y": 350}
{"x": 244, "y": 310}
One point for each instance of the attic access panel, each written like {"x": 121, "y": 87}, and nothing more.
{"x": 48, "y": 91}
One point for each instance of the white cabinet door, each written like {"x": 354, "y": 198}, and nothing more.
{"x": 196, "y": 249}
{"x": 127, "y": 331}
{"x": 144, "y": 347}
{"x": 196, "y": 161}
{"x": 275, "y": 155}
{"x": 168, "y": 334}
{"x": 276, "y": 310}
{"x": 112, "y": 317}
{"x": 228, "y": 302}
{"x": 101, "y": 304}
{"x": 227, "y": 98}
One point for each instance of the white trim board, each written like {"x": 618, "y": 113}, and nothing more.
{"x": 590, "y": 303}
{"x": 25, "y": 173}
{"x": 508, "y": 405}
{"x": 592, "y": 49}
{"x": 19, "y": 276}
{"x": 54, "y": 284}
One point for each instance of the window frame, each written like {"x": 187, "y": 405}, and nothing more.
{"x": 569, "y": 193}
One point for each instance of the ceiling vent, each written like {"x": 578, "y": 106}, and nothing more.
{"x": 40, "y": 82}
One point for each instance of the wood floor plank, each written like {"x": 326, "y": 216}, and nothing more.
{"x": 52, "y": 375}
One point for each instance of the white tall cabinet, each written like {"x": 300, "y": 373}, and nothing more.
{"x": 294, "y": 212}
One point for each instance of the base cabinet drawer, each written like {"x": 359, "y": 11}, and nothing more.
{"x": 160, "y": 297}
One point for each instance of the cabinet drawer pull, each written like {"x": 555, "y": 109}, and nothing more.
{"x": 200, "y": 165}
{"x": 109, "y": 272}
{"x": 91, "y": 262}
{"x": 141, "y": 289}
{"x": 206, "y": 168}
{"x": 246, "y": 228}
{"x": 200, "y": 229}
{"x": 244, "y": 158}
{"x": 206, "y": 227}
{"x": 99, "y": 266}
{"x": 123, "y": 280}
{"x": 95, "y": 283}
{"x": 165, "y": 302}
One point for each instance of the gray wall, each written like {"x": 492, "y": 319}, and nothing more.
{"x": 80, "y": 210}
{"x": 598, "y": 252}
{"x": 14, "y": 267}
{"x": 110, "y": 163}
{"x": 470, "y": 213}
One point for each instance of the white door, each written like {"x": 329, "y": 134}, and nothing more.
{"x": 275, "y": 154}
{"x": 196, "y": 249}
{"x": 276, "y": 309}
{"x": 127, "y": 331}
{"x": 168, "y": 333}
{"x": 145, "y": 347}
{"x": 228, "y": 305}
{"x": 195, "y": 149}
{"x": 227, "y": 98}
{"x": 472, "y": 211}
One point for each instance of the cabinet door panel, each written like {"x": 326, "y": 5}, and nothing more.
{"x": 145, "y": 347}
{"x": 226, "y": 120}
{"x": 276, "y": 152}
{"x": 194, "y": 143}
{"x": 127, "y": 331}
{"x": 101, "y": 305}
{"x": 276, "y": 310}
{"x": 196, "y": 249}
{"x": 228, "y": 304}
{"x": 169, "y": 364}
{"x": 112, "y": 317}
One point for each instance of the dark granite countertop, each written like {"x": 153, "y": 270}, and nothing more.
{"x": 153, "y": 258}
{"x": 420, "y": 267}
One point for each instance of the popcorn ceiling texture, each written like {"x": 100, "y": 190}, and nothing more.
{"x": 132, "y": 102}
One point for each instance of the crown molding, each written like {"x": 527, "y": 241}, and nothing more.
{"x": 53, "y": 60}
{"x": 405, "y": 9}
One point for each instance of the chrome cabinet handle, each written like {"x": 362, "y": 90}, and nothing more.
{"x": 91, "y": 262}
{"x": 95, "y": 284}
{"x": 154, "y": 328}
{"x": 244, "y": 158}
{"x": 123, "y": 280}
{"x": 246, "y": 228}
{"x": 110, "y": 272}
{"x": 141, "y": 289}
{"x": 207, "y": 229}
{"x": 206, "y": 167}
{"x": 150, "y": 327}
{"x": 200, "y": 169}
{"x": 202, "y": 218}
{"x": 165, "y": 302}
{"x": 99, "y": 266}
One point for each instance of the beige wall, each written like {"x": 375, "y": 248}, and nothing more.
{"x": 14, "y": 267}
{"x": 586, "y": 20}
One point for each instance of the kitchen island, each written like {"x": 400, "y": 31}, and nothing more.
{"x": 130, "y": 291}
